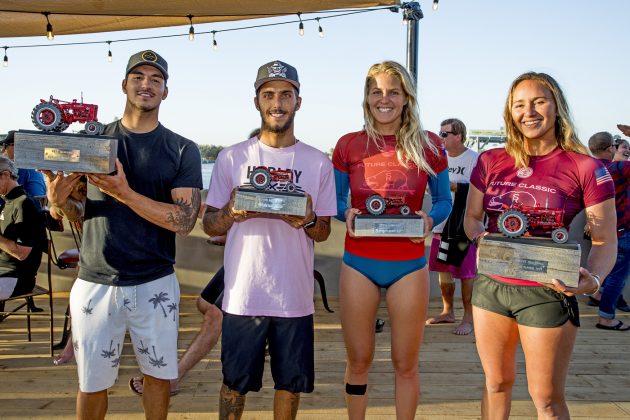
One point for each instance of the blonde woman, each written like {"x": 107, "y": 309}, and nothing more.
{"x": 543, "y": 163}
{"x": 392, "y": 157}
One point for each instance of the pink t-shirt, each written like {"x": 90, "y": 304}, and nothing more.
{"x": 268, "y": 263}
{"x": 559, "y": 180}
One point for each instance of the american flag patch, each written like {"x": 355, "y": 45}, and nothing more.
{"x": 602, "y": 175}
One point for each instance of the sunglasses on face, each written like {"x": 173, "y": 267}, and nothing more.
{"x": 444, "y": 134}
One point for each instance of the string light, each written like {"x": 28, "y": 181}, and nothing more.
{"x": 49, "y": 29}
{"x": 215, "y": 46}
{"x": 191, "y": 31}
{"x": 301, "y": 27}
{"x": 435, "y": 4}
{"x": 319, "y": 29}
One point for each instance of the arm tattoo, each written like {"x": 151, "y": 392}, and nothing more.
{"x": 231, "y": 404}
{"x": 183, "y": 219}
{"x": 217, "y": 221}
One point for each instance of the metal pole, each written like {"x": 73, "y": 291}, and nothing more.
{"x": 412, "y": 13}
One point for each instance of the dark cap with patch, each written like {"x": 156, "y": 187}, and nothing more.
{"x": 9, "y": 138}
{"x": 277, "y": 70}
{"x": 148, "y": 58}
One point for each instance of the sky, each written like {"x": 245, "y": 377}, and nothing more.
{"x": 469, "y": 53}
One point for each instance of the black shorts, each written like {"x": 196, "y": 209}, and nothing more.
{"x": 290, "y": 350}
{"x": 532, "y": 306}
{"x": 213, "y": 293}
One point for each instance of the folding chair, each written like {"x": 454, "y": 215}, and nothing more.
{"x": 20, "y": 311}
{"x": 65, "y": 259}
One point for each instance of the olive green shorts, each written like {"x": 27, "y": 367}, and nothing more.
{"x": 532, "y": 306}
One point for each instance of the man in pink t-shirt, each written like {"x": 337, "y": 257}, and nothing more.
{"x": 269, "y": 258}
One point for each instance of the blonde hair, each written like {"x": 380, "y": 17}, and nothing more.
{"x": 410, "y": 137}
{"x": 564, "y": 130}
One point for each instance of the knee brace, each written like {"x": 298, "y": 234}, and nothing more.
{"x": 356, "y": 389}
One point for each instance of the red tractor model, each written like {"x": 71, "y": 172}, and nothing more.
{"x": 262, "y": 176}
{"x": 516, "y": 220}
{"x": 56, "y": 115}
{"x": 376, "y": 204}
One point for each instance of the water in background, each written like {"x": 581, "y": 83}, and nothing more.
{"x": 206, "y": 172}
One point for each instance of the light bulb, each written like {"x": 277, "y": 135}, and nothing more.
{"x": 301, "y": 30}
{"x": 191, "y": 31}
{"x": 435, "y": 4}
{"x": 214, "y": 45}
{"x": 109, "y": 56}
{"x": 5, "y": 63}
{"x": 320, "y": 30}
{"x": 49, "y": 29}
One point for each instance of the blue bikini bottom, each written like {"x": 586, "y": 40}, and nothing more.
{"x": 383, "y": 273}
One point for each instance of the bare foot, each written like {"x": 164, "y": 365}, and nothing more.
{"x": 464, "y": 328}
{"x": 443, "y": 318}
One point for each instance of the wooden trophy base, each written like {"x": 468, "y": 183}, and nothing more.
{"x": 535, "y": 259}
{"x": 394, "y": 225}
{"x": 265, "y": 201}
{"x": 65, "y": 152}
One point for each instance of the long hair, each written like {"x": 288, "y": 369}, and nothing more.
{"x": 564, "y": 130}
{"x": 410, "y": 137}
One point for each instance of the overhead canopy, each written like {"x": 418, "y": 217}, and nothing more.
{"x": 70, "y": 17}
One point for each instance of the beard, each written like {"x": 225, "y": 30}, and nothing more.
{"x": 273, "y": 127}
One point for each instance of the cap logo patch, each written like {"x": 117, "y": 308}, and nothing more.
{"x": 149, "y": 56}
{"x": 277, "y": 70}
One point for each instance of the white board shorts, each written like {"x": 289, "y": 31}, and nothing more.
{"x": 101, "y": 314}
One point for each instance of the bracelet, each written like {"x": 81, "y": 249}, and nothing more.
{"x": 599, "y": 284}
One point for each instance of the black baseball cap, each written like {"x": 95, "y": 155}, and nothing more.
{"x": 277, "y": 70}
{"x": 9, "y": 138}
{"x": 148, "y": 58}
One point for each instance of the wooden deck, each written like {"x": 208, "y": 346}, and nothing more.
{"x": 452, "y": 379}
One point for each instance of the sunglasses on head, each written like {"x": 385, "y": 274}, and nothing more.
{"x": 444, "y": 134}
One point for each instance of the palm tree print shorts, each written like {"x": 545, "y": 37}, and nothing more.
{"x": 101, "y": 314}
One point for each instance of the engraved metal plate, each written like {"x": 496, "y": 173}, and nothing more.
{"x": 394, "y": 225}
{"x": 60, "y": 155}
{"x": 265, "y": 201}
{"x": 535, "y": 259}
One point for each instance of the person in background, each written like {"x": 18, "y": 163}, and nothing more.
{"x": 602, "y": 147}
{"x": 543, "y": 163}
{"x": 461, "y": 161}
{"x": 622, "y": 150}
{"x": 22, "y": 235}
{"x": 31, "y": 180}
{"x": 395, "y": 158}
{"x": 33, "y": 184}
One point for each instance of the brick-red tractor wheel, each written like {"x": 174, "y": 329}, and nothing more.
{"x": 512, "y": 223}
{"x": 47, "y": 117}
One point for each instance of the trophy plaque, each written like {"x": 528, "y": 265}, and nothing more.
{"x": 65, "y": 152}
{"x": 259, "y": 199}
{"x": 530, "y": 258}
{"x": 535, "y": 259}
{"x": 376, "y": 223}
